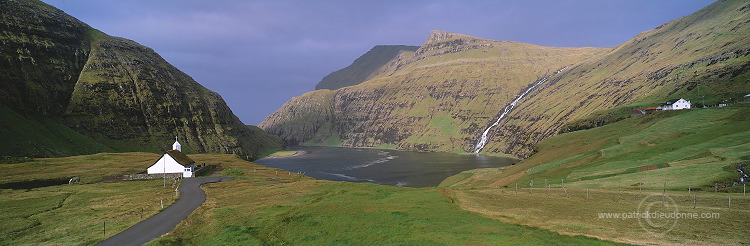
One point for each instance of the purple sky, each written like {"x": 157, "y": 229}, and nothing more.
{"x": 258, "y": 54}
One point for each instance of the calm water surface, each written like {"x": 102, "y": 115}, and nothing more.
{"x": 388, "y": 167}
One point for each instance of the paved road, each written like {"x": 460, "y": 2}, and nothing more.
{"x": 191, "y": 196}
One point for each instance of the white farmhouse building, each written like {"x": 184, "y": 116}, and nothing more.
{"x": 174, "y": 161}
{"x": 676, "y": 104}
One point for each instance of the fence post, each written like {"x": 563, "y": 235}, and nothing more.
{"x": 664, "y": 192}
{"x": 730, "y": 202}
{"x": 105, "y": 228}
{"x": 587, "y": 193}
{"x": 693, "y": 200}
{"x": 516, "y": 188}
{"x": 547, "y": 189}
{"x": 688, "y": 190}
{"x": 531, "y": 187}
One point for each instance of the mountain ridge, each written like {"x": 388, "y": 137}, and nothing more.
{"x": 406, "y": 107}
{"x": 103, "y": 93}
{"x": 363, "y": 68}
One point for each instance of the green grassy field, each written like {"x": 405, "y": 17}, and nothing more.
{"x": 578, "y": 213}
{"x": 76, "y": 214}
{"x": 619, "y": 165}
{"x": 267, "y": 207}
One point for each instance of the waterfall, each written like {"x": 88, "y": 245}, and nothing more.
{"x": 483, "y": 140}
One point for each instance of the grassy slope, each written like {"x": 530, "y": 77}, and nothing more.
{"x": 698, "y": 146}
{"x": 268, "y": 144}
{"x": 433, "y": 99}
{"x": 75, "y": 214}
{"x": 702, "y": 54}
{"x": 265, "y": 207}
{"x": 690, "y": 148}
{"x": 39, "y": 136}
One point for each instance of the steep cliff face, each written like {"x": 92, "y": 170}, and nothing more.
{"x": 114, "y": 94}
{"x": 42, "y": 53}
{"x": 364, "y": 68}
{"x": 308, "y": 117}
{"x": 127, "y": 92}
{"x": 434, "y": 98}
{"x": 445, "y": 94}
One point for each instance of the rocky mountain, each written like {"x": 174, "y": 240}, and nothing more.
{"x": 363, "y": 68}
{"x": 97, "y": 93}
{"x": 444, "y": 95}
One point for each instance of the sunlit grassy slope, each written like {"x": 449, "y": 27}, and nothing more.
{"x": 434, "y": 98}
{"x": 695, "y": 147}
{"x": 614, "y": 168}
{"x": 442, "y": 96}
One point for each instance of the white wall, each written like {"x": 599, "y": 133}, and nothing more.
{"x": 171, "y": 166}
{"x": 681, "y": 104}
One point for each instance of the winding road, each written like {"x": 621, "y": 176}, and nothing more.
{"x": 191, "y": 196}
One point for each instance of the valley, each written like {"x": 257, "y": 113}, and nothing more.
{"x": 461, "y": 140}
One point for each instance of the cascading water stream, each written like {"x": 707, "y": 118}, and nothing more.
{"x": 483, "y": 140}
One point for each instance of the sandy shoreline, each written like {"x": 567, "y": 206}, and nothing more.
{"x": 298, "y": 153}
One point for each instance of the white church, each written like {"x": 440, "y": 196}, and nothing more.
{"x": 174, "y": 161}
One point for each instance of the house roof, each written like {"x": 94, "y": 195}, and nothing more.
{"x": 180, "y": 157}
{"x": 652, "y": 108}
{"x": 670, "y": 102}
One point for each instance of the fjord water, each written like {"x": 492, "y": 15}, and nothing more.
{"x": 388, "y": 167}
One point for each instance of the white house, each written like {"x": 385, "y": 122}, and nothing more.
{"x": 174, "y": 161}
{"x": 676, "y": 104}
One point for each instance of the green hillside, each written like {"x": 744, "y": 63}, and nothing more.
{"x": 444, "y": 95}
{"x": 700, "y": 57}
{"x": 69, "y": 89}
{"x": 695, "y": 148}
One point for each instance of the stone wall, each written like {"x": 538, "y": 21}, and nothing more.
{"x": 151, "y": 176}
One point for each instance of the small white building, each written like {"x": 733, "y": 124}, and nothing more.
{"x": 676, "y": 104}
{"x": 174, "y": 161}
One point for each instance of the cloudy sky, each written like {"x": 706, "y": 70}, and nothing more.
{"x": 259, "y": 53}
